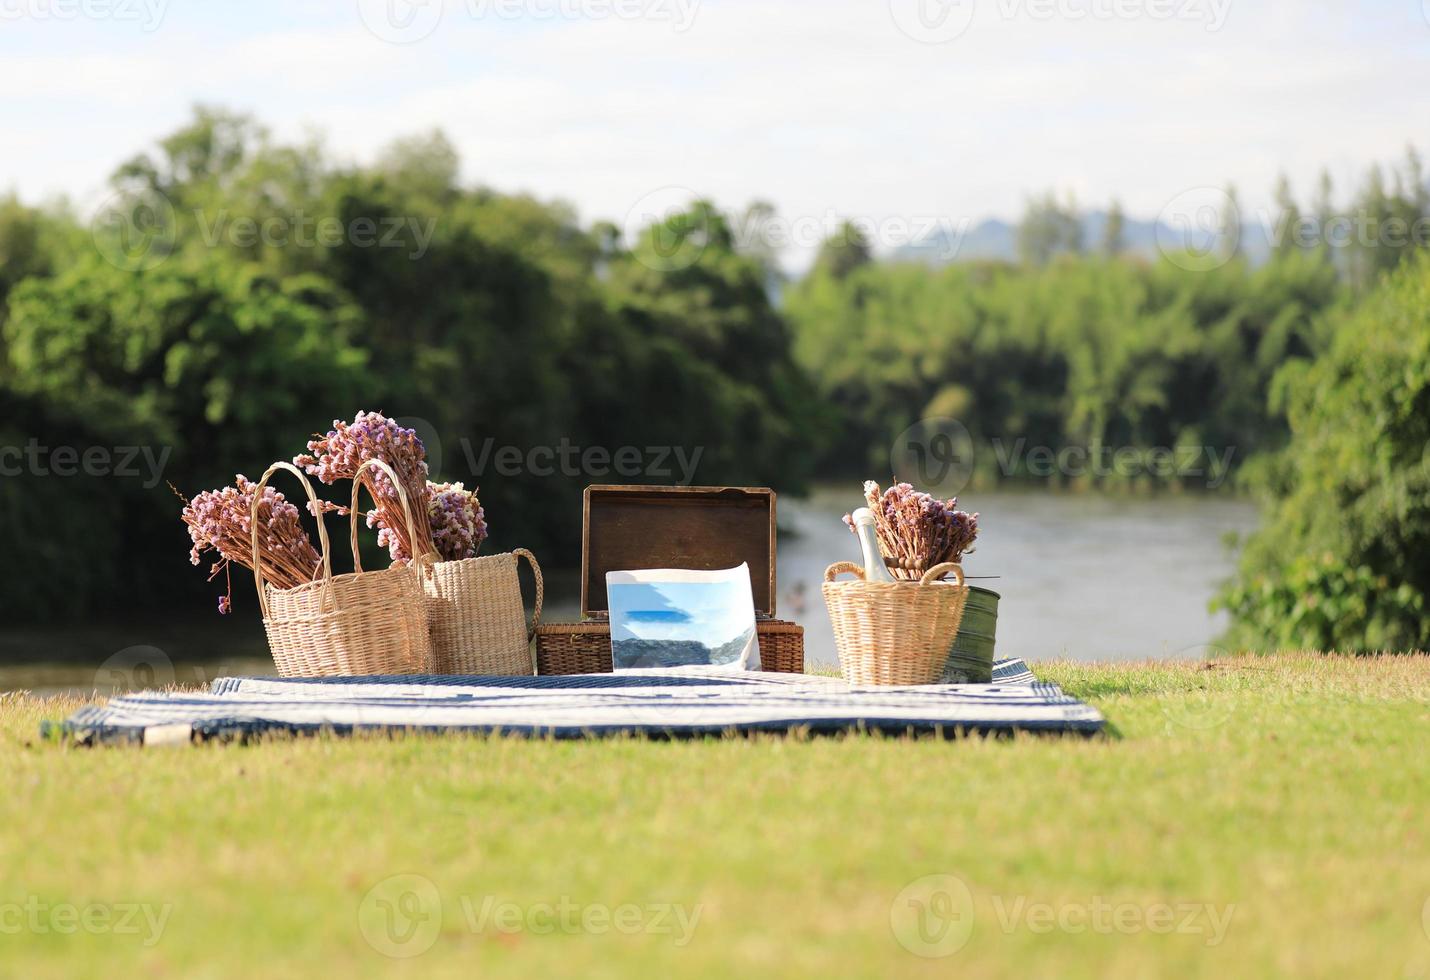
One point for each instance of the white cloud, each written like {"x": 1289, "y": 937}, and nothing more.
{"x": 814, "y": 106}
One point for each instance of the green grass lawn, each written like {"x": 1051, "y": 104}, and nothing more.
{"x": 1250, "y": 817}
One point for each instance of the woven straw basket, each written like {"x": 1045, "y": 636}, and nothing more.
{"x": 478, "y": 620}
{"x": 894, "y": 633}
{"x": 339, "y": 625}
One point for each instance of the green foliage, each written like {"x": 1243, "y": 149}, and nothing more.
{"x": 1341, "y": 562}
{"x": 1088, "y": 352}
{"x": 248, "y": 293}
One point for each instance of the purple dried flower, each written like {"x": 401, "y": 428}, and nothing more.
{"x": 371, "y": 435}
{"x": 218, "y": 520}
{"x": 917, "y": 530}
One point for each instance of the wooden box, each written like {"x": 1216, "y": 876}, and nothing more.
{"x": 638, "y": 527}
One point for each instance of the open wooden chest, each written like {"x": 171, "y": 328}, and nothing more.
{"x": 637, "y": 527}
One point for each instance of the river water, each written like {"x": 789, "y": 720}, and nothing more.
{"x": 1081, "y": 576}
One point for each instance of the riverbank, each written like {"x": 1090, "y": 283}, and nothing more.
{"x": 1249, "y": 817}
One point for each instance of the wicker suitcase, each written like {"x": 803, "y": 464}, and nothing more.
{"x": 636, "y": 527}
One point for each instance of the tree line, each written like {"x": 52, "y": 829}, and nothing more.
{"x": 239, "y": 293}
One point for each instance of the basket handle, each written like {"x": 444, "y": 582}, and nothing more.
{"x": 253, "y": 529}
{"x": 939, "y": 571}
{"x": 401, "y": 497}
{"x": 840, "y": 567}
{"x": 540, "y": 589}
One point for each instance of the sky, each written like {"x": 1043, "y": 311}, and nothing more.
{"x": 910, "y": 115}
{"x": 713, "y": 612}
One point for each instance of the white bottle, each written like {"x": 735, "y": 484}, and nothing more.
{"x": 874, "y": 568}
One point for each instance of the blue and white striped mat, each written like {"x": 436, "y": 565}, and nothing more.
{"x": 668, "y": 703}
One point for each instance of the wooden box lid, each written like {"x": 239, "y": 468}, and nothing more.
{"x": 626, "y": 528}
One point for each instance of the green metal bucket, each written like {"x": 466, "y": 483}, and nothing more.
{"x": 970, "y": 660}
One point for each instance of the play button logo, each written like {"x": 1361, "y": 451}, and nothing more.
{"x": 401, "y": 21}
{"x": 933, "y": 21}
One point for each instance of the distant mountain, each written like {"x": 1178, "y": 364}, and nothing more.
{"x": 677, "y": 653}
{"x": 997, "y": 240}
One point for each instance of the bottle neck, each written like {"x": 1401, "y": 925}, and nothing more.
{"x": 874, "y": 568}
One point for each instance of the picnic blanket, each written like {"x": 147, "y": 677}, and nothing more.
{"x": 680, "y": 702}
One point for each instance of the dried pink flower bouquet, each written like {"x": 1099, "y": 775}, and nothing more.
{"x": 371, "y": 435}
{"x": 457, "y": 520}
{"x": 917, "y": 530}
{"x": 218, "y": 520}
{"x": 451, "y": 524}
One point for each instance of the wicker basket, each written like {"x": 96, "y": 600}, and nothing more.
{"x": 585, "y": 648}
{"x": 338, "y": 625}
{"x": 894, "y": 633}
{"x": 478, "y": 620}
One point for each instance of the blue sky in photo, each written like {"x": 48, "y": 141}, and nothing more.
{"x": 712, "y": 613}
{"x": 822, "y": 109}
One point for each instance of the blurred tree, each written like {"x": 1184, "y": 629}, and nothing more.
{"x": 843, "y": 252}
{"x": 1288, "y": 229}
{"x": 1340, "y": 563}
{"x": 1230, "y": 231}
{"x": 1114, "y": 239}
